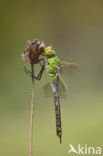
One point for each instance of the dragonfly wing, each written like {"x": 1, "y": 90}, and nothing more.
{"x": 69, "y": 63}
{"x": 64, "y": 73}
{"x": 47, "y": 90}
{"x": 67, "y": 68}
{"x": 62, "y": 87}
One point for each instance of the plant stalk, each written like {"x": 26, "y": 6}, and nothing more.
{"x": 32, "y": 110}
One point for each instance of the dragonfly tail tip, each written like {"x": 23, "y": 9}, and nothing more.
{"x": 60, "y": 140}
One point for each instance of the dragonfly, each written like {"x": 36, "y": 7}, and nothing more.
{"x": 55, "y": 68}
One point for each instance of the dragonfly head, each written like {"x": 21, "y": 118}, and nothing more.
{"x": 49, "y": 51}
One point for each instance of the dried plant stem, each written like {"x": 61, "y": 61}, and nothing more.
{"x": 32, "y": 110}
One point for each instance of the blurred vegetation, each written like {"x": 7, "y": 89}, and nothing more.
{"x": 75, "y": 29}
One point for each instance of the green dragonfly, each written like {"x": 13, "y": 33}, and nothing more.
{"x": 56, "y": 85}
{"x": 56, "y": 70}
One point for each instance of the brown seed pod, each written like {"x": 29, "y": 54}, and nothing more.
{"x": 25, "y": 56}
{"x": 33, "y": 51}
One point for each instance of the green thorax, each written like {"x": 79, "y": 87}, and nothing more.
{"x": 52, "y": 67}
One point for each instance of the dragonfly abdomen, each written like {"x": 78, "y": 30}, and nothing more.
{"x": 57, "y": 109}
{"x": 52, "y": 66}
{"x": 58, "y": 116}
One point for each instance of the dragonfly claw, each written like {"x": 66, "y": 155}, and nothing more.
{"x": 30, "y": 74}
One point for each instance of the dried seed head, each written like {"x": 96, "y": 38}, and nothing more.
{"x": 34, "y": 50}
{"x": 25, "y": 56}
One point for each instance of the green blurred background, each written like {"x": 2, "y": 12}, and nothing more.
{"x": 75, "y": 29}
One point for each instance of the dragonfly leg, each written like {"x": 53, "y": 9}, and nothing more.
{"x": 40, "y": 64}
{"x": 41, "y": 72}
{"x": 33, "y": 76}
{"x": 29, "y": 73}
